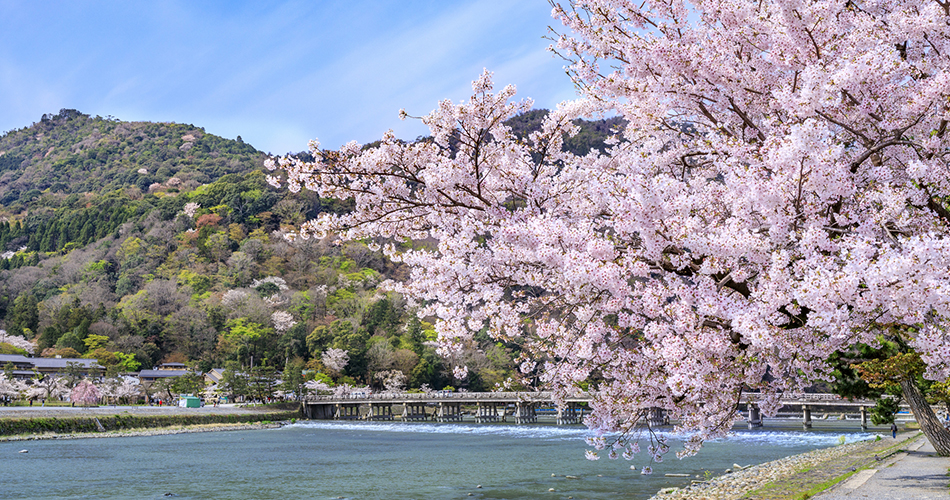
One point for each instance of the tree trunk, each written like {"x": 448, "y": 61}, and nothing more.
{"x": 936, "y": 433}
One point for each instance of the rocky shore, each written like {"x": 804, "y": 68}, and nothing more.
{"x": 790, "y": 477}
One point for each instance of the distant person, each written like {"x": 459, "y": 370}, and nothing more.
{"x": 894, "y": 429}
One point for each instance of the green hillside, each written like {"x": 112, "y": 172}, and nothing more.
{"x": 137, "y": 243}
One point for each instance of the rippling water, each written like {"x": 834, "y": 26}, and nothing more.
{"x": 331, "y": 460}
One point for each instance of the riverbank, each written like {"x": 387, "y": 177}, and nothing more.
{"x": 184, "y": 429}
{"x": 795, "y": 477}
{"x": 71, "y": 423}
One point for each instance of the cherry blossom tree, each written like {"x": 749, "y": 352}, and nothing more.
{"x": 17, "y": 341}
{"x": 85, "y": 392}
{"x": 282, "y": 321}
{"x": 348, "y": 390}
{"x": 10, "y": 388}
{"x": 394, "y": 381}
{"x": 776, "y": 195}
{"x": 121, "y": 388}
{"x": 34, "y": 392}
{"x": 190, "y": 209}
{"x": 335, "y": 360}
{"x": 317, "y": 386}
{"x": 51, "y": 386}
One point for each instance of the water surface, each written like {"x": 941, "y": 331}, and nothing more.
{"x": 364, "y": 460}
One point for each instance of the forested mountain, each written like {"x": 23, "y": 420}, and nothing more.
{"x": 137, "y": 243}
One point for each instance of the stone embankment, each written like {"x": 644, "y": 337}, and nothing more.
{"x": 182, "y": 429}
{"x": 791, "y": 477}
{"x": 58, "y": 423}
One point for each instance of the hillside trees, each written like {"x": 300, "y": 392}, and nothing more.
{"x": 127, "y": 247}
{"x": 776, "y": 195}
{"x": 72, "y": 152}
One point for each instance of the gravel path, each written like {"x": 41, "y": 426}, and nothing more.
{"x": 917, "y": 474}
{"x": 790, "y": 476}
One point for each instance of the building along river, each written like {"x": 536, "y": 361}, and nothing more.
{"x": 367, "y": 460}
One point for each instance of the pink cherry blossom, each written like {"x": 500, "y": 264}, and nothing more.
{"x": 335, "y": 359}
{"x": 775, "y": 195}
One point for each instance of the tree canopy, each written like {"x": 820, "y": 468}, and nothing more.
{"x": 776, "y": 194}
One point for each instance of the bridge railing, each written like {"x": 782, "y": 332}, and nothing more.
{"x": 541, "y": 396}
{"x": 793, "y": 398}
{"x": 439, "y": 395}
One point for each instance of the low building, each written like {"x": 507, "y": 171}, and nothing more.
{"x": 24, "y": 367}
{"x": 153, "y": 375}
{"x": 172, "y": 366}
{"x": 214, "y": 376}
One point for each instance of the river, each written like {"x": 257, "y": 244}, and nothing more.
{"x": 365, "y": 460}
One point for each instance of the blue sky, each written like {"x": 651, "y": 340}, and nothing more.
{"x": 276, "y": 73}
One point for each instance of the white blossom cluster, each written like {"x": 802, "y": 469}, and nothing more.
{"x": 17, "y": 341}
{"x": 234, "y": 298}
{"x": 280, "y": 282}
{"x": 190, "y": 209}
{"x": 777, "y": 193}
{"x": 335, "y": 359}
{"x": 282, "y": 321}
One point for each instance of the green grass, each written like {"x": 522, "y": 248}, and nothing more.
{"x": 818, "y": 488}
{"x": 865, "y": 460}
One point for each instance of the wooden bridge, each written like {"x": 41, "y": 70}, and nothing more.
{"x": 525, "y": 407}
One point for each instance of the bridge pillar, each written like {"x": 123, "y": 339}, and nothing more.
{"x": 806, "y": 417}
{"x": 317, "y": 411}
{"x": 449, "y": 412}
{"x": 656, "y": 417}
{"x": 755, "y": 416}
{"x": 864, "y": 418}
{"x": 525, "y": 413}
{"x": 414, "y": 412}
{"x": 568, "y": 415}
{"x": 380, "y": 411}
{"x": 487, "y": 412}
{"x": 347, "y": 411}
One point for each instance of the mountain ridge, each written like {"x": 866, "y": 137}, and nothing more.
{"x": 137, "y": 243}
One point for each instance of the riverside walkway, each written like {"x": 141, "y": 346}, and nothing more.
{"x": 915, "y": 474}
{"x": 525, "y": 407}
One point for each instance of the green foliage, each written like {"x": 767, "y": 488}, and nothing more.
{"x": 293, "y": 379}
{"x": 234, "y": 382}
{"x": 94, "y": 341}
{"x": 189, "y": 383}
{"x": 103, "y": 262}
{"x": 847, "y": 381}
{"x": 262, "y": 382}
{"x": 876, "y": 373}
{"x": 24, "y": 315}
{"x": 73, "y": 340}
{"x": 884, "y": 410}
{"x": 592, "y": 134}
{"x": 127, "y": 362}
{"x": 321, "y": 377}
{"x": 6, "y": 348}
